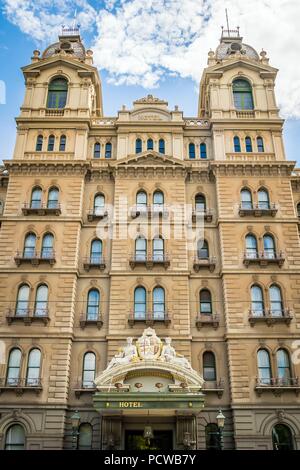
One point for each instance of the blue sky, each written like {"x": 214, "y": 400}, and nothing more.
{"x": 165, "y": 57}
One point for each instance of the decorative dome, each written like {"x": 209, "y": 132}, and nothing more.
{"x": 69, "y": 45}
{"x": 231, "y": 44}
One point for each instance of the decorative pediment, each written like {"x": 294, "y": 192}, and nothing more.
{"x": 57, "y": 60}
{"x": 149, "y": 365}
{"x": 149, "y": 158}
{"x": 219, "y": 69}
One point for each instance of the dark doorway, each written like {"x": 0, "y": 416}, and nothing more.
{"x": 282, "y": 437}
{"x": 162, "y": 440}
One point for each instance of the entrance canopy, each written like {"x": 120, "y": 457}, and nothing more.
{"x": 149, "y": 376}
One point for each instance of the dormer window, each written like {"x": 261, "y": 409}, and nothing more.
{"x": 242, "y": 95}
{"x": 57, "y": 93}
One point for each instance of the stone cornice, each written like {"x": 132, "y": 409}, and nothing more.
{"x": 46, "y": 167}
{"x": 270, "y": 168}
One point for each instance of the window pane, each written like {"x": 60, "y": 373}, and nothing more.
{"x": 263, "y": 199}
{"x": 149, "y": 144}
{"x": 162, "y": 146}
{"x": 97, "y": 150}
{"x": 205, "y": 302}
{"x": 248, "y": 142}
{"x": 138, "y": 146}
{"x": 22, "y": 300}
{"x": 237, "y": 144}
{"x": 269, "y": 246}
{"x": 93, "y": 304}
{"x": 15, "y": 438}
{"x": 141, "y": 198}
{"x": 33, "y": 370}
{"x": 260, "y": 144}
{"x": 36, "y": 198}
{"x": 203, "y": 153}
{"x": 29, "y": 246}
{"x": 246, "y": 199}
{"x": 283, "y": 364}
{"x": 47, "y": 246}
{"x": 158, "y": 198}
{"x": 14, "y": 364}
{"x": 39, "y": 143}
{"x": 108, "y": 148}
{"x": 51, "y": 142}
{"x": 282, "y": 438}
{"x": 140, "y": 302}
{"x": 158, "y": 303}
{"x": 89, "y": 368}
{"x": 57, "y": 93}
{"x": 62, "y": 143}
{"x": 99, "y": 203}
{"x": 200, "y": 203}
{"x": 41, "y": 302}
{"x": 264, "y": 367}
{"x": 192, "y": 152}
{"x": 158, "y": 249}
{"x": 202, "y": 249}
{"x": 276, "y": 301}
{"x": 251, "y": 246}
{"x": 209, "y": 366}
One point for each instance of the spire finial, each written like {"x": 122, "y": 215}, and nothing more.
{"x": 227, "y": 21}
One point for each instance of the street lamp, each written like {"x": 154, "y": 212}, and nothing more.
{"x": 221, "y": 422}
{"x": 75, "y": 420}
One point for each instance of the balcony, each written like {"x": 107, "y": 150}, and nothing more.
{"x": 214, "y": 386}
{"x": 149, "y": 261}
{"x": 19, "y": 386}
{"x": 200, "y": 263}
{"x": 207, "y": 319}
{"x": 97, "y": 213}
{"x": 263, "y": 258}
{"x": 277, "y": 385}
{"x": 27, "y": 315}
{"x": 52, "y": 208}
{"x": 159, "y": 210}
{"x": 270, "y": 317}
{"x": 258, "y": 210}
{"x": 149, "y": 318}
{"x": 205, "y": 213}
{"x": 35, "y": 257}
{"x": 84, "y": 387}
{"x": 94, "y": 261}
{"x": 54, "y": 112}
{"x": 92, "y": 318}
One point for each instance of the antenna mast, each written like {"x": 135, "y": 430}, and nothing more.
{"x": 227, "y": 19}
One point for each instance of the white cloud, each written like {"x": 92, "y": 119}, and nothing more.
{"x": 142, "y": 41}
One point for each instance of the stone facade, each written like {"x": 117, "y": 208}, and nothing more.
{"x": 65, "y": 333}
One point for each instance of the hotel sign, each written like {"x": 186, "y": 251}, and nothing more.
{"x": 182, "y": 401}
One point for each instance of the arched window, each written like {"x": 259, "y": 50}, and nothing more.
{"x": 33, "y": 368}
{"x": 57, "y": 93}
{"x": 202, "y": 249}
{"x": 138, "y": 146}
{"x": 140, "y": 303}
{"x": 205, "y": 302}
{"x": 15, "y": 438}
{"x": 242, "y": 94}
{"x": 85, "y": 436}
{"x": 14, "y": 367}
{"x": 99, "y": 203}
{"x": 251, "y": 246}
{"x": 108, "y": 150}
{"x": 276, "y": 304}
{"x": 192, "y": 150}
{"x": 96, "y": 251}
{"x": 22, "y": 304}
{"x": 51, "y": 142}
{"x": 150, "y": 144}
{"x": 260, "y": 144}
{"x": 89, "y": 370}
{"x": 282, "y": 437}
{"x": 212, "y": 438}
{"x": 140, "y": 249}
{"x": 141, "y": 200}
{"x": 93, "y": 305}
{"x": 209, "y": 366}
{"x": 161, "y": 146}
{"x": 39, "y": 143}
{"x": 269, "y": 246}
{"x": 158, "y": 200}
{"x": 246, "y": 199}
{"x": 200, "y": 203}
{"x": 41, "y": 301}
{"x": 237, "y": 144}
{"x": 158, "y": 249}
{"x": 257, "y": 301}
{"x": 62, "y": 143}
{"x": 36, "y": 198}
{"x": 283, "y": 366}
{"x": 29, "y": 245}
{"x": 263, "y": 199}
{"x": 203, "y": 151}
{"x": 158, "y": 299}
{"x": 52, "y": 202}
{"x": 264, "y": 367}
{"x": 97, "y": 150}
{"x": 248, "y": 142}
{"x": 298, "y": 209}
{"x": 47, "y": 246}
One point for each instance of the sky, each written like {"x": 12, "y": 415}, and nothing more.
{"x": 150, "y": 46}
